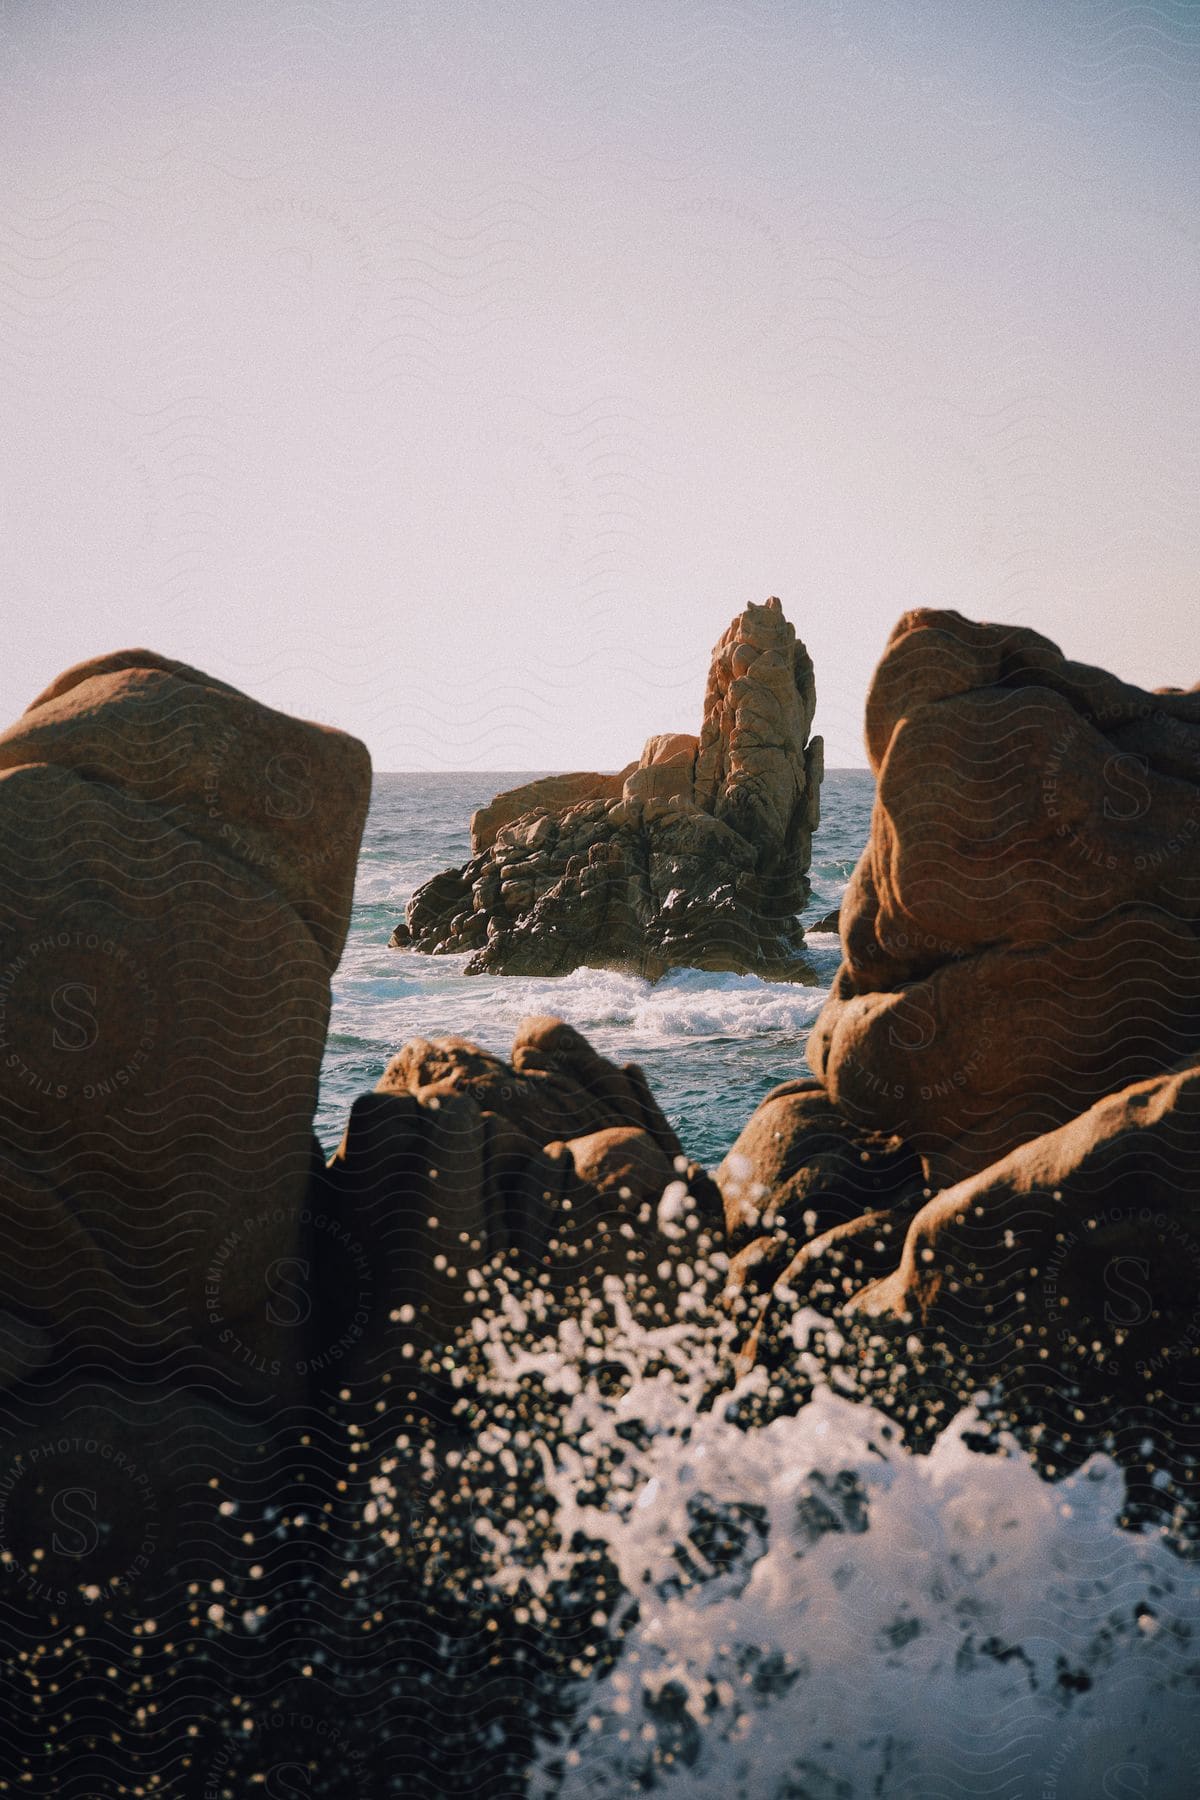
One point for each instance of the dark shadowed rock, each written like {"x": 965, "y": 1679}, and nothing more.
{"x": 556, "y": 1159}
{"x": 110, "y": 1497}
{"x": 830, "y": 922}
{"x": 179, "y": 871}
{"x": 695, "y": 856}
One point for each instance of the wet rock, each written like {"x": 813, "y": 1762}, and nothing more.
{"x": 553, "y": 1163}
{"x": 1081, "y": 1249}
{"x": 802, "y": 1166}
{"x": 556, "y": 1086}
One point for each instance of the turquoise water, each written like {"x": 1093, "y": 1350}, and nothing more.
{"x": 712, "y": 1045}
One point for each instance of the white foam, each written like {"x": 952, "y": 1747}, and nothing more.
{"x": 921, "y": 1656}
{"x": 393, "y": 995}
{"x": 891, "y": 1624}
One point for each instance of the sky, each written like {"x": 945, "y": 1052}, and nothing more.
{"x": 453, "y": 371}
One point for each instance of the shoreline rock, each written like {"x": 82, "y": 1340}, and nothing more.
{"x": 557, "y": 1158}
{"x": 1021, "y": 934}
{"x": 695, "y": 856}
{"x": 181, "y": 865}
{"x": 1005, "y": 1065}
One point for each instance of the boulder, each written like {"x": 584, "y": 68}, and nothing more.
{"x": 801, "y": 1172}
{"x": 1020, "y": 935}
{"x": 458, "y": 1162}
{"x": 1080, "y": 1249}
{"x": 801, "y": 1164}
{"x": 695, "y": 856}
{"x": 180, "y": 866}
{"x": 555, "y": 1087}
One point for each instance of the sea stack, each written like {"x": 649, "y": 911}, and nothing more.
{"x": 694, "y": 856}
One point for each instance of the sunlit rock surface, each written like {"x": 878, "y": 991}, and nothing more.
{"x": 1021, "y": 934}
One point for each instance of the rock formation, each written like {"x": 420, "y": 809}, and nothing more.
{"x": 1020, "y": 935}
{"x": 995, "y": 1146}
{"x": 1086, "y": 1236}
{"x": 558, "y": 1158}
{"x": 695, "y": 856}
{"x": 179, "y": 871}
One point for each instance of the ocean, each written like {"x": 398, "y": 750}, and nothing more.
{"x": 711, "y": 1045}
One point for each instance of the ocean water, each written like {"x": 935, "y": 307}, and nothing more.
{"x": 711, "y": 1045}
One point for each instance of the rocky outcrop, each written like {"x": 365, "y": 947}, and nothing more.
{"x": 556, "y": 1161}
{"x": 1000, "y": 1149}
{"x": 696, "y": 856}
{"x": 801, "y": 1173}
{"x": 179, "y": 870}
{"x": 1081, "y": 1248}
{"x": 1020, "y": 936}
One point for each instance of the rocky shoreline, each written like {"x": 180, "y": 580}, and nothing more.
{"x": 994, "y": 1168}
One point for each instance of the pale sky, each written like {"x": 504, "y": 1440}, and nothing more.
{"x": 453, "y": 372}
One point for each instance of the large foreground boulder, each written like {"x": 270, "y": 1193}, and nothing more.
{"x": 1020, "y": 936}
{"x": 695, "y": 856}
{"x": 179, "y": 867}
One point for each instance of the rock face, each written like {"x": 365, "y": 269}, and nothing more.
{"x": 553, "y": 794}
{"x": 695, "y": 856}
{"x": 1020, "y": 936}
{"x": 558, "y": 1158}
{"x": 1085, "y": 1241}
{"x": 179, "y": 870}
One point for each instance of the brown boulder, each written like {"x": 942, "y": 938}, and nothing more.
{"x": 803, "y": 1166}
{"x": 697, "y": 856}
{"x": 1080, "y": 1248}
{"x": 665, "y": 778}
{"x": 801, "y": 1173}
{"x": 1020, "y": 935}
{"x": 459, "y": 1161}
{"x": 557, "y": 1086}
{"x": 180, "y": 867}
{"x": 621, "y": 1157}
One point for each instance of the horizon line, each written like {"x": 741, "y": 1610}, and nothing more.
{"x": 833, "y": 769}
